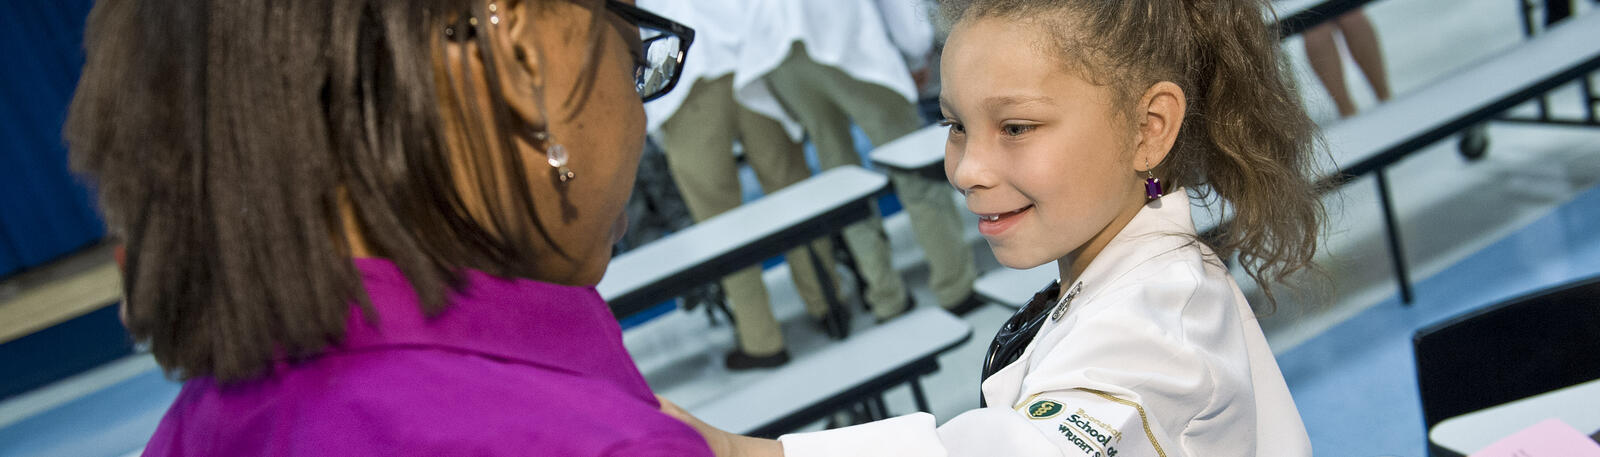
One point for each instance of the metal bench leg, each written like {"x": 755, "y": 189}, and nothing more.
{"x": 837, "y": 322}
{"x": 1395, "y": 251}
{"x": 1527, "y": 18}
{"x": 841, "y": 253}
{"x": 916, "y": 393}
{"x": 719, "y": 302}
{"x": 1589, "y": 100}
{"x": 870, "y": 404}
{"x": 1527, "y": 32}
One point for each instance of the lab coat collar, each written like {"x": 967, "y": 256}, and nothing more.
{"x": 1163, "y": 225}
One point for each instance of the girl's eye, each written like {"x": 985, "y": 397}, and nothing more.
{"x": 1016, "y": 129}
{"x": 955, "y": 127}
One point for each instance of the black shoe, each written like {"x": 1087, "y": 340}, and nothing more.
{"x": 835, "y": 324}
{"x": 967, "y": 306}
{"x": 738, "y": 360}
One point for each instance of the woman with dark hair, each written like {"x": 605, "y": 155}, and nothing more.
{"x": 373, "y": 227}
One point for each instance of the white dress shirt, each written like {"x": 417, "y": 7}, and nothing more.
{"x": 1157, "y": 355}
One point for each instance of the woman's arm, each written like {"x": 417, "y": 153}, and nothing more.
{"x": 722, "y": 443}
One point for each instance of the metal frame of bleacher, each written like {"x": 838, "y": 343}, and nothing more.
{"x": 1491, "y": 109}
{"x": 1530, "y": 29}
{"x": 1495, "y": 110}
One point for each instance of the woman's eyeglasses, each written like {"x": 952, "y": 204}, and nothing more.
{"x": 666, "y": 44}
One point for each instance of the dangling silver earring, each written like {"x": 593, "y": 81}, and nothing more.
{"x": 556, "y": 155}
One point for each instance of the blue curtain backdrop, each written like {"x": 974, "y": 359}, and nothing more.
{"x": 45, "y": 212}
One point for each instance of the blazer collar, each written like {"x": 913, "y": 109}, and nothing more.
{"x": 559, "y": 327}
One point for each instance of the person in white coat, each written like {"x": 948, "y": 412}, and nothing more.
{"x": 827, "y": 64}
{"x": 1069, "y": 121}
{"x": 697, "y": 127}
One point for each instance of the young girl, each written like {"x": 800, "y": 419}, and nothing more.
{"x": 1078, "y": 131}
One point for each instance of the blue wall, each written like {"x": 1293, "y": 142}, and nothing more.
{"x": 45, "y": 212}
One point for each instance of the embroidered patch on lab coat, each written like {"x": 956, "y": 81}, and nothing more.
{"x": 1090, "y": 434}
{"x": 1044, "y": 409}
{"x": 1092, "y": 425}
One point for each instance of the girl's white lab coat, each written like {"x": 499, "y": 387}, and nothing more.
{"x": 1158, "y": 355}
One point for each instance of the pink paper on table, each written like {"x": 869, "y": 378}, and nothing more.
{"x": 1551, "y": 438}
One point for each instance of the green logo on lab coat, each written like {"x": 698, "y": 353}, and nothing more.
{"x": 1044, "y": 409}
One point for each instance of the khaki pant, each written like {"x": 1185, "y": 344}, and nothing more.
{"x": 698, "y": 141}
{"x": 825, "y": 101}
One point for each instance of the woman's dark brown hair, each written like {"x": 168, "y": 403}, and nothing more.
{"x": 1245, "y": 137}
{"x": 231, "y": 142}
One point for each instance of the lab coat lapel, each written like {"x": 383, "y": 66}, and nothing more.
{"x": 1162, "y": 225}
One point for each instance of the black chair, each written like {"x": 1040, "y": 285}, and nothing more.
{"x": 1511, "y": 350}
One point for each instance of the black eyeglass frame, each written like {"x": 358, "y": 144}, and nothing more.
{"x": 645, "y": 19}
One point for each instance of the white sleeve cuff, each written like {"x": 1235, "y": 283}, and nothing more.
{"x": 911, "y": 435}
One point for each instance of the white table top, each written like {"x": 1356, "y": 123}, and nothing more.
{"x": 1013, "y": 288}
{"x": 1578, "y": 406}
{"x": 922, "y": 149}
{"x": 1360, "y": 144}
{"x": 747, "y": 227}
{"x": 877, "y": 351}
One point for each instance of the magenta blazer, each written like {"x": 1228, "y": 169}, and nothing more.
{"x": 511, "y": 367}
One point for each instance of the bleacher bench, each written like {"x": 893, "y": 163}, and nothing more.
{"x": 843, "y": 374}
{"x": 739, "y": 238}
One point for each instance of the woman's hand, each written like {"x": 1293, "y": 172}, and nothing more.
{"x": 722, "y": 443}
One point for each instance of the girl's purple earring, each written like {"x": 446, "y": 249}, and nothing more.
{"x": 1152, "y": 186}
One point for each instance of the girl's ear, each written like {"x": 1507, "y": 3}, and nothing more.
{"x": 1160, "y": 116}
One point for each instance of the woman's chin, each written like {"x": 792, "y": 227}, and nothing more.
{"x": 619, "y": 228}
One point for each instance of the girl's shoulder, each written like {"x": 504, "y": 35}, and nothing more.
{"x": 1171, "y": 289}
{"x": 1163, "y": 336}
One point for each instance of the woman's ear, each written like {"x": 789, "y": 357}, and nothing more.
{"x": 1160, "y": 116}
{"x": 518, "y": 63}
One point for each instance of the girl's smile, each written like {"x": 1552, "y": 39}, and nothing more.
{"x": 994, "y": 224}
